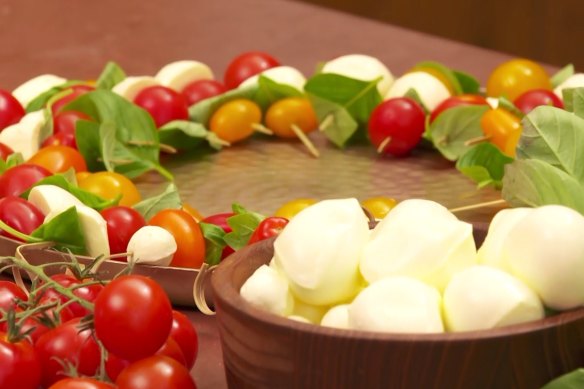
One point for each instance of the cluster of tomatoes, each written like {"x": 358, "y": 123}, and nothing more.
{"x": 69, "y": 333}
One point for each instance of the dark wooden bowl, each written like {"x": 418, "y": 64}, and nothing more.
{"x": 261, "y": 350}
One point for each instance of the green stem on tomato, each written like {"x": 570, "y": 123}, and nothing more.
{"x": 18, "y": 234}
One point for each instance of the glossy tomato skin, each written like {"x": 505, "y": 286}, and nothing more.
{"x": 76, "y": 91}
{"x": 185, "y": 335}
{"x": 19, "y": 365}
{"x": 457, "y": 101}
{"x": 187, "y": 233}
{"x": 246, "y": 65}
{"x": 154, "y": 373}
{"x": 122, "y": 223}
{"x": 10, "y": 109}
{"x": 515, "y": 77}
{"x": 87, "y": 292}
{"x": 291, "y": 111}
{"x": 111, "y": 185}
{"x": 163, "y": 104}
{"x": 233, "y": 121}
{"x": 171, "y": 349}
{"x": 201, "y": 90}
{"x": 503, "y": 129}
{"x": 18, "y": 179}
{"x": 380, "y": 206}
{"x": 5, "y": 151}
{"x": 536, "y": 97}
{"x": 220, "y": 219}
{"x": 59, "y": 159}
{"x": 114, "y": 366}
{"x": 19, "y": 214}
{"x": 292, "y": 207}
{"x": 60, "y": 139}
{"x": 132, "y": 317}
{"x": 269, "y": 227}
{"x": 81, "y": 383}
{"x": 401, "y": 120}
{"x": 9, "y": 293}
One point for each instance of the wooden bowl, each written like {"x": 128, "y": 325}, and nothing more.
{"x": 261, "y": 350}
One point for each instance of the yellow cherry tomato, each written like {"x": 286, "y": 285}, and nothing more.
{"x": 503, "y": 129}
{"x": 234, "y": 120}
{"x": 380, "y": 206}
{"x": 285, "y": 113}
{"x": 193, "y": 212}
{"x": 437, "y": 74}
{"x": 111, "y": 185}
{"x": 512, "y": 78}
{"x": 82, "y": 175}
{"x": 291, "y": 208}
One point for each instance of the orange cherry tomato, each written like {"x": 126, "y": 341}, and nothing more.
{"x": 111, "y": 185}
{"x": 59, "y": 159}
{"x": 503, "y": 129}
{"x": 291, "y": 111}
{"x": 513, "y": 78}
{"x": 291, "y": 208}
{"x": 189, "y": 238}
{"x": 193, "y": 212}
{"x": 233, "y": 121}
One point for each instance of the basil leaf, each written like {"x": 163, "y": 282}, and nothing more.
{"x": 65, "y": 231}
{"x": 571, "y": 380}
{"x": 239, "y": 209}
{"x": 468, "y": 84}
{"x": 111, "y": 75}
{"x": 12, "y": 160}
{"x": 202, "y": 111}
{"x": 270, "y": 91}
{"x": 41, "y": 100}
{"x": 508, "y": 105}
{"x": 128, "y": 140}
{"x": 444, "y": 70}
{"x": 185, "y": 135}
{"x": 562, "y": 75}
{"x": 414, "y": 95}
{"x": 89, "y": 144}
{"x": 243, "y": 225}
{"x": 456, "y": 126}
{"x": 574, "y": 100}
{"x": 341, "y": 125}
{"x": 533, "y": 183}
{"x": 169, "y": 199}
{"x": 553, "y": 136}
{"x": 214, "y": 242}
{"x": 484, "y": 164}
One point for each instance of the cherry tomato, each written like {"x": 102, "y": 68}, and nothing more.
{"x": 185, "y": 335}
{"x": 234, "y": 120}
{"x": 10, "y": 110}
{"x": 163, "y": 104}
{"x": 114, "y": 366}
{"x": 68, "y": 343}
{"x": 201, "y": 90}
{"x": 154, "y": 373}
{"x": 396, "y": 126}
{"x": 291, "y": 111}
{"x": 132, "y": 317}
{"x": 59, "y": 159}
{"x": 87, "y": 292}
{"x": 60, "y": 139}
{"x": 122, "y": 223}
{"x": 515, "y": 77}
{"x": 220, "y": 220}
{"x": 81, "y": 383}
{"x": 291, "y": 208}
{"x": 189, "y": 239}
{"x": 503, "y": 129}
{"x": 536, "y": 97}
{"x": 270, "y": 226}
{"x": 18, "y": 179}
{"x": 5, "y": 151}
{"x": 171, "y": 349}
{"x": 379, "y": 207}
{"x": 111, "y": 185}
{"x": 193, "y": 212}
{"x": 19, "y": 214}
{"x": 9, "y": 294}
{"x": 246, "y": 65}
{"x": 457, "y": 101}
{"x": 76, "y": 91}
{"x": 20, "y": 366}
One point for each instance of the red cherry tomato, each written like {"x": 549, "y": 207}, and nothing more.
{"x": 5, "y": 151}
{"x": 76, "y": 91}
{"x": 122, "y": 223}
{"x": 18, "y": 179}
{"x": 185, "y": 335}
{"x": 59, "y": 159}
{"x": 171, "y": 349}
{"x": 10, "y": 110}
{"x": 60, "y": 139}
{"x": 87, "y": 292}
{"x": 64, "y": 127}
{"x": 399, "y": 123}
{"x": 68, "y": 343}
{"x": 132, "y": 317}
{"x": 163, "y": 104}
{"x": 457, "y": 101}
{"x": 201, "y": 90}
{"x": 220, "y": 220}
{"x": 20, "y": 366}
{"x": 81, "y": 383}
{"x": 270, "y": 226}
{"x": 20, "y": 215}
{"x": 9, "y": 293}
{"x": 114, "y": 366}
{"x": 246, "y": 65}
{"x": 536, "y": 97}
{"x": 154, "y": 373}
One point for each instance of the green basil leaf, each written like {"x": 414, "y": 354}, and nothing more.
{"x": 169, "y": 199}
{"x": 338, "y": 124}
{"x": 534, "y": 183}
{"x": 508, "y": 105}
{"x": 214, "y": 242}
{"x": 454, "y": 127}
{"x": 574, "y": 100}
{"x": 202, "y": 111}
{"x": 562, "y": 75}
{"x": 12, "y": 160}
{"x": 270, "y": 91}
{"x": 571, "y": 380}
{"x": 553, "y": 136}
{"x": 111, "y": 75}
{"x": 243, "y": 224}
{"x": 89, "y": 144}
{"x": 185, "y": 135}
{"x": 414, "y": 95}
{"x": 65, "y": 231}
{"x": 41, "y": 100}
{"x": 468, "y": 83}
{"x": 484, "y": 164}
{"x": 444, "y": 70}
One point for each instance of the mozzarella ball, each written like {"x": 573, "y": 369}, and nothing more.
{"x": 361, "y": 67}
{"x": 312, "y": 313}
{"x": 152, "y": 245}
{"x": 267, "y": 290}
{"x": 336, "y": 317}
{"x": 286, "y": 75}
{"x": 430, "y": 89}
{"x": 574, "y": 81}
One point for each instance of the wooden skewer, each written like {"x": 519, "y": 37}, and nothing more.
{"x": 326, "y": 122}
{"x": 478, "y": 139}
{"x": 479, "y": 205}
{"x": 383, "y": 145}
{"x": 304, "y": 139}
{"x": 163, "y": 147}
{"x": 262, "y": 129}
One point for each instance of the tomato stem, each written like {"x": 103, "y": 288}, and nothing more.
{"x": 18, "y": 234}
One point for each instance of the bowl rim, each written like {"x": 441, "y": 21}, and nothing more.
{"x": 225, "y": 294}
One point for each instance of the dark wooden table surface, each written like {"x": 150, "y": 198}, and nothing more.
{"x": 76, "y": 38}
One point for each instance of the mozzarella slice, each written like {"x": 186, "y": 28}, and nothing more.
{"x": 28, "y": 91}
{"x": 361, "y": 67}
{"x": 430, "y": 89}
{"x": 152, "y": 245}
{"x": 177, "y": 75}
{"x": 131, "y": 86}
{"x": 336, "y": 317}
{"x": 266, "y": 289}
{"x": 52, "y": 199}
{"x": 574, "y": 81}
{"x": 286, "y": 75}
{"x": 25, "y": 137}
{"x": 483, "y": 297}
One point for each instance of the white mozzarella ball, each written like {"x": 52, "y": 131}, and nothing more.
{"x": 177, "y": 75}
{"x": 299, "y": 319}
{"x": 361, "y": 67}
{"x": 51, "y": 198}
{"x": 336, "y": 317}
{"x": 312, "y": 313}
{"x": 25, "y": 137}
{"x": 131, "y": 86}
{"x": 151, "y": 245}
{"x": 574, "y": 81}
{"x": 27, "y": 92}
{"x": 266, "y": 289}
{"x": 430, "y": 89}
{"x": 483, "y": 297}
{"x": 286, "y": 75}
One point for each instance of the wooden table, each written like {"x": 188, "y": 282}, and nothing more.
{"x": 76, "y": 38}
